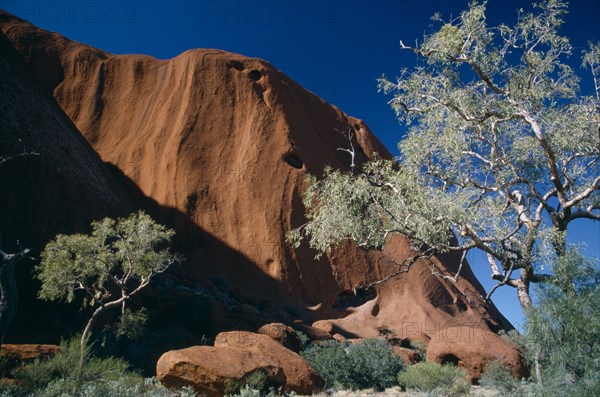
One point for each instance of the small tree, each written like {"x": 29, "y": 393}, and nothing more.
{"x": 109, "y": 266}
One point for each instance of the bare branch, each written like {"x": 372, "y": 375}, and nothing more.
{"x": 550, "y": 157}
{"x": 583, "y": 214}
{"x": 349, "y": 134}
{"x": 403, "y": 267}
{"x": 583, "y": 195}
{"x": 5, "y": 159}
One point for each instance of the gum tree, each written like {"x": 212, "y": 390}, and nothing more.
{"x": 501, "y": 154}
{"x": 109, "y": 266}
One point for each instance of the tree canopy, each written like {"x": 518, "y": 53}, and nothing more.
{"x": 108, "y": 266}
{"x": 501, "y": 153}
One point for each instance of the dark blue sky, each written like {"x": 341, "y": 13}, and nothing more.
{"x": 336, "y": 49}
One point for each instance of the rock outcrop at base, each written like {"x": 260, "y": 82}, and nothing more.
{"x": 472, "y": 348}
{"x": 283, "y": 334}
{"x": 408, "y": 356}
{"x": 235, "y": 356}
{"x": 28, "y": 352}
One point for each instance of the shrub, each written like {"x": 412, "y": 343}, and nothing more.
{"x": 63, "y": 371}
{"x": 330, "y": 360}
{"x": 304, "y": 339}
{"x": 371, "y": 363}
{"x": 62, "y": 375}
{"x": 374, "y": 364}
{"x": 10, "y": 389}
{"x": 434, "y": 378}
{"x": 255, "y": 381}
{"x": 249, "y": 391}
{"x": 497, "y": 376}
{"x": 121, "y": 387}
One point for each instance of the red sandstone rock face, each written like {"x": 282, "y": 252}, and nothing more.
{"x": 313, "y": 334}
{"x": 220, "y": 144}
{"x": 472, "y": 348}
{"x": 20, "y": 353}
{"x": 283, "y": 334}
{"x": 324, "y": 325}
{"x": 234, "y": 356}
{"x": 408, "y": 356}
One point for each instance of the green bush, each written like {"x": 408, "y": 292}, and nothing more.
{"x": 370, "y": 364}
{"x": 62, "y": 371}
{"x": 255, "y": 381}
{"x": 10, "y": 389}
{"x": 374, "y": 364}
{"x": 434, "y": 378}
{"x": 330, "y": 360}
{"x": 249, "y": 391}
{"x": 61, "y": 375}
{"x": 122, "y": 387}
{"x": 497, "y": 376}
{"x": 304, "y": 339}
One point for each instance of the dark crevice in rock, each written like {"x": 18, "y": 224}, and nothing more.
{"x": 354, "y": 299}
{"x": 254, "y": 75}
{"x": 293, "y": 160}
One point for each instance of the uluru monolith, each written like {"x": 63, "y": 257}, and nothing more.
{"x": 217, "y": 146}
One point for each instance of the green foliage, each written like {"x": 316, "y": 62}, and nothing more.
{"x": 116, "y": 252}
{"x": 121, "y": 387}
{"x": 369, "y": 364}
{"x": 255, "y": 381}
{"x": 329, "y": 359}
{"x": 375, "y": 364}
{"x": 436, "y": 379}
{"x": 255, "y": 384}
{"x": 63, "y": 372}
{"x": 497, "y": 376}
{"x": 62, "y": 375}
{"x": 565, "y": 327}
{"x": 109, "y": 266}
{"x": 249, "y": 391}
{"x": 10, "y": 389}
{"x": 304, "y": 339}
{"x": 131, "y": 325}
